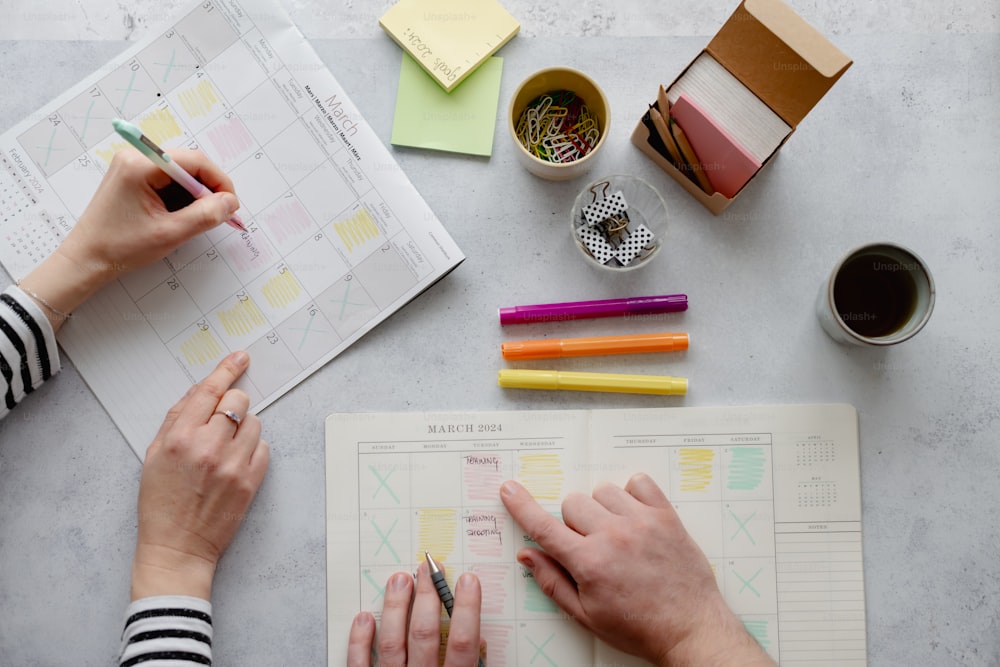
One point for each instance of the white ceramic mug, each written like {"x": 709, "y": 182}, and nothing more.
{"x": 878, "y": 294}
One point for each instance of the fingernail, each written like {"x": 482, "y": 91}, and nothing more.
{"x": 232, "y": 204}
{"x": 526, "y": 562}
{"x": 398, "y": 581}
{"x": 363, "y": 620}
{"x": 241, "y": 358}
{"x": 508, "y": 489}
{"x": 465, "y": 581}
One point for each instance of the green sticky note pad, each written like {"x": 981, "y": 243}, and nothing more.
{"x": 461, "y": 121}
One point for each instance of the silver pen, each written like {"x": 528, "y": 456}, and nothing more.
{"x": 443, "y": 591}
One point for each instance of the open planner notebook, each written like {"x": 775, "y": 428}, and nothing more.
{"x": 771, "y": 494}
{"x": 338, "y": 237}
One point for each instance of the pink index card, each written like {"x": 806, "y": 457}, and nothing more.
{"x": 726, "y": 163}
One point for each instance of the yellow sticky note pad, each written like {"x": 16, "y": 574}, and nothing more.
{"x": 461, "y": 121}
{"x": 449, "y": 38}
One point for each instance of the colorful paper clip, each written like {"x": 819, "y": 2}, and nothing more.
{"x": 558, "y": 127}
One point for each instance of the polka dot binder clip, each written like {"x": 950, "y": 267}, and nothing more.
{"x": 634, "y": 244}
{"x": 602, "y": 209}
{"x": 607, "y": 232}
{"x": 596, "y": 244}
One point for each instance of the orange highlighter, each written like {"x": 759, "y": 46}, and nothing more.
{"x": 592, "y": 347}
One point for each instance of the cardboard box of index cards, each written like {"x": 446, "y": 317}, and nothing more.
{"x": 736, "y": 104}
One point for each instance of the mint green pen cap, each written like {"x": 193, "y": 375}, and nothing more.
{"x": 141, "y": 142}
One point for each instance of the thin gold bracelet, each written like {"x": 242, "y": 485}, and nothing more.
{"x": 65, "y": 316}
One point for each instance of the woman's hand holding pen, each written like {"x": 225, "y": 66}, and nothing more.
{"x": 625, "y": 568}
{"x": 126, "y": 226}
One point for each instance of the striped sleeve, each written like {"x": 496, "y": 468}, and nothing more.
{"x": 167, "y": 631}
{"x": 28, "y": 352}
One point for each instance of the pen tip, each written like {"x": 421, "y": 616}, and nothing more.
{"x": 434, "y": 569}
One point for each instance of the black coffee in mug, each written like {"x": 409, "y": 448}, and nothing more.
{"x": 875, "y": 294}
{"x": 879, "y": 294}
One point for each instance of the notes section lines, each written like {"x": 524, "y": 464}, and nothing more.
{"x": 820, "y": 585}
{"x": 404, "y": 510}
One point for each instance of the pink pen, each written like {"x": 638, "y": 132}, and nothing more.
{"x": 142, "y": 143}
{"x": 578, "y": 310}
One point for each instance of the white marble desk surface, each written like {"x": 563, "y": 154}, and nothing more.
{"x": 904, "y": 148}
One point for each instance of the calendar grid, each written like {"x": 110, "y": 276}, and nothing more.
{"x": 332, "y": 245}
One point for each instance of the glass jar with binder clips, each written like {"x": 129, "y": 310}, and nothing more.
{"x": 619, "y": 222}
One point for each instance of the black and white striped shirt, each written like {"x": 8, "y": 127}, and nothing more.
{"x": 163, "y": 631}
{"x": 28, "y": 352}
{"x": 167, "y": 631}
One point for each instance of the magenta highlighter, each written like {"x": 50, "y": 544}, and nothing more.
{"x": 579, "y": 310}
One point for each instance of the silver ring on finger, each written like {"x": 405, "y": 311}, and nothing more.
{"x": 230, "y": 415}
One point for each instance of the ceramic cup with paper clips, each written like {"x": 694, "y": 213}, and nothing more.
{"x": 619, "y": 223}
{"x": 564, "y": 157}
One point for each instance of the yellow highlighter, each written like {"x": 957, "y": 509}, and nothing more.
{"x": 611, "y": 382}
